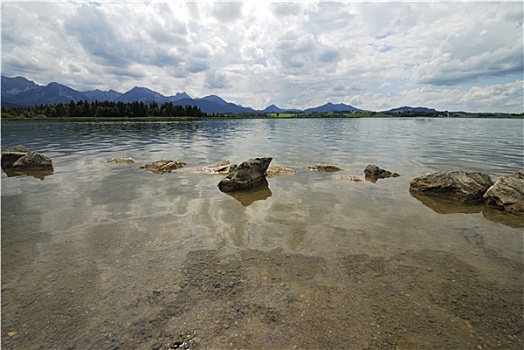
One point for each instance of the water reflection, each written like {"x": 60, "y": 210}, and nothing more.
{"x": 447, "y": 206}
{"x": 259, "y": 193}
{"x": 37, "y": 174}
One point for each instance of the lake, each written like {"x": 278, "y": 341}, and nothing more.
{"x": 105, "y": 256}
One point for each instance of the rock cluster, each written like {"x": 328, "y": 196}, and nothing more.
{"x": 458, "y": 187}
{"x": 506, "y": 194}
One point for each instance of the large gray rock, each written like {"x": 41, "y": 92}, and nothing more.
{"x": 466, "y": 187}
{"x": 246, "y": 175}
{"x": 507, "y": 193}
{"x": 21, "y": 158}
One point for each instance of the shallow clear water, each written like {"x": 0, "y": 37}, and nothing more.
{"x": 93, "y": 236}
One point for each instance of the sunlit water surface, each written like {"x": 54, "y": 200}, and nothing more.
{"x": 93, "y": 236}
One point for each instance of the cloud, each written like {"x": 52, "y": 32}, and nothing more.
{"x": 216, "y": 80}
{"x": 226, "y": 11}
{"x": 293, "y": 54}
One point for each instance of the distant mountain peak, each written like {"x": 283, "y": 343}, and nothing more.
{"x": 215, "y": 98}
{"x": 330, "y": 107}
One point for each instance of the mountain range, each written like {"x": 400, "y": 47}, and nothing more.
{"x": 20, "y": 91}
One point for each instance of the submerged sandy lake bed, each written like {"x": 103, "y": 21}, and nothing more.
{"x": 103, "y": 256}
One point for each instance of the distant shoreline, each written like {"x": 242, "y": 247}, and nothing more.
{"x": 254, "y": 116}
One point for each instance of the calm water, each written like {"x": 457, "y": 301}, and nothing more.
{"x": 93, "y": 237}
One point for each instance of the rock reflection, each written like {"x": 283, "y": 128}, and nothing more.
{"x": 446, "y": 206}
{"x": 37, "y": 174}
{"x": 501, "y": 217}
{"x": 259, "y": 193}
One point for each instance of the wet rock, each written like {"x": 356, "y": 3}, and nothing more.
{"x": 507, "y": 193}
{"x": 19, "y": 148}
{"x": 163, "y": 166}
{"x": 246, "y": 175}
{"x": 351, "y": 178}
{"x": 9, "y": 158}
{"x": 373, "y": 172}
{"x": 218, "y": 168}
{"x": 275, "y": 170}
{"x": 325, "y": 168}
{"x": 466, "y": 187}
{"x": 121, "y": 160}
{"x": 21, "y": 158}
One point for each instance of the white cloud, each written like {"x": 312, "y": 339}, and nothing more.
{"x": 295, "y": 54}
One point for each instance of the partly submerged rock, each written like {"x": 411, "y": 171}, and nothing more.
{"x": 246, "y": 175}
{"x": 275, "y": 170}
{"x": 507, "y": 193}
{"x": 373, "y": 173}
{"x": 351, "y": 178}
{"x": 218, "y": 168}
{"x": 325, "y": 168}
{"x": 33, "y": 161}
{"x": 21, "y": 158}
{"x": 19, "y": 148}
{"x": 466, "y": 187}
{"x": 163, "y": 166}
{"x": 121, "y": 160}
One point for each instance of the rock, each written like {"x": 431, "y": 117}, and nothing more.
{"x": 22, "y": 158}
{"x": 466, "y": 187}
{"x": 163, "y": 166}
{"x": 324, "y": 168}
{"x": 218, "y": 168}
{"x": 275, "y": 170}
{"x": 33, "y": 161}
{"x": 19, "y": 148}
{"x": 351, "y": 178}
{"x": 374, "y": 172}
{"x": 507, "y": 193}
{"x": 246, "y": 175}
{"x": 121, "y": 160}
{"x": 9, "y": 158}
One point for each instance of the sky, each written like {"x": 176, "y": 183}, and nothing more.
{"x": 455, "y": 56}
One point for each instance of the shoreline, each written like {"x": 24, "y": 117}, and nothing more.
{"x": 226, "y": 117}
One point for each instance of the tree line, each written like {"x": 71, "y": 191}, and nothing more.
{"x": 106, "y": 109}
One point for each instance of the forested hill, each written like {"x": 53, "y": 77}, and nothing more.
{"x": 107, "y": 109}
